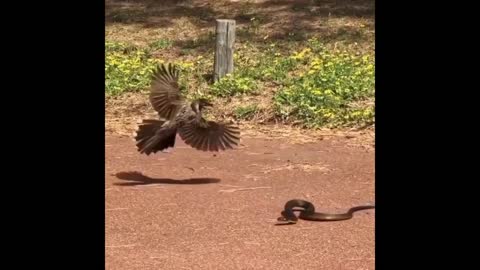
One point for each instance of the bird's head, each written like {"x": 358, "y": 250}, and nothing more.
{"x": 200, "y": 103}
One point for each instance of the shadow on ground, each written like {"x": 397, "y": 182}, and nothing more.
{"x": 284, "y": 17}
{"x": 138, "y": 179}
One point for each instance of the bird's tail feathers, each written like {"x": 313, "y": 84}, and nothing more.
{"x": 152, "y": 136}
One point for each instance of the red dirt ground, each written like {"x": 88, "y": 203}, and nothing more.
{"x": 186, "y": 209}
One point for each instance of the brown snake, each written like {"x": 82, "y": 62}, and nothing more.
{"x": 307, "y": 212}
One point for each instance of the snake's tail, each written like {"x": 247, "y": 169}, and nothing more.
{"x": 359, "y": 208}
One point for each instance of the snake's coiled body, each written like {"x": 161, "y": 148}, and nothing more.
{"x": 307, "y": 212}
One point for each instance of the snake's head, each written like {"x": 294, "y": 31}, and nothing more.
{"x": 283, "y": 220}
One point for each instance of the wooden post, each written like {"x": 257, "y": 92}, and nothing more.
{"x": 225, "y": 33}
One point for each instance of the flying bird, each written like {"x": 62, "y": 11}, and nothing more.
{"x": 177, "y": 115}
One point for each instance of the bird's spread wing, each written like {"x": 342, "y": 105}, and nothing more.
{"x": 165, "y": 94}
{"x": 209, "y": 135}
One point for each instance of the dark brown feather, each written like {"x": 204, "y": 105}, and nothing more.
{"x": 209, "y": 136}
{"x": 152, "y": 137}
{"x": 165, "y": 94}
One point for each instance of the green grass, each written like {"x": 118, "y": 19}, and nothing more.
{"x": 232, "y": 85}
{"x": 333, "y": 89}
{"x": 161, "y": 44}
{"x": 312, "y": 83}
{"x": 245, "y": 112}
{"x": 127, "y": 68}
